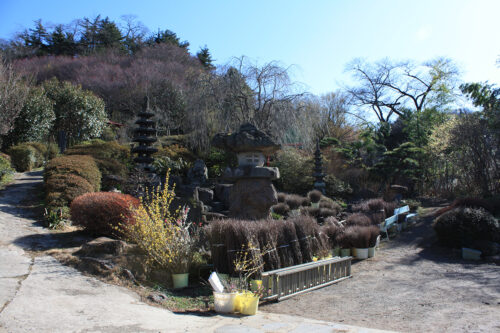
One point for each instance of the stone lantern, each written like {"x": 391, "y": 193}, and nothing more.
{"x": 253, "y": 193}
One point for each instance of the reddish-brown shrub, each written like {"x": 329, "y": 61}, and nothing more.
{"x": 310, "y": 211}
{"x": 293, "y": 201}
{"x": 281, "y": 208}
{"x": 358, "y": 219}
{"x": 315, "y": 195}
{"x": 281, "y": 197}
{"x": 102, "y": 212}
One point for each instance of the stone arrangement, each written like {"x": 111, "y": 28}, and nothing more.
{"x": 144, "y": 136}
{"x": 318, "y": 175}
{"x": 253, "y": 193}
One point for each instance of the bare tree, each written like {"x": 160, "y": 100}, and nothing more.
{"x": 388, "y": 88}
{"x": 13, "y": 92}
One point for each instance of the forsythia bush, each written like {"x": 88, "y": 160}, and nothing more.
{"x": 162, "y": 234}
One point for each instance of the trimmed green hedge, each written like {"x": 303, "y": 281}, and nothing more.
{"x": 67, "y": 177}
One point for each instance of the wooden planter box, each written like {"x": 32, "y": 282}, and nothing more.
{"x": 294, "y": 280}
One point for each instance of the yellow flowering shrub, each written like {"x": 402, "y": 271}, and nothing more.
{"x": 162, "y": 234}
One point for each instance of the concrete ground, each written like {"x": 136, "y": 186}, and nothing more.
{"x": 39, "y": 294}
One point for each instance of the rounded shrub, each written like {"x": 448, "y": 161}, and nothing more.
{"x": 314, "y": 195}
{"x": 62, "y": 189}
{"x": 281, "y": 208}
{"x": 111, "y": 157}
{"x": 23, "y": 157}
{"x": 103, "y": 213}
{"x": 358, "y": 219}
{"x": 294, "y": 201}
{"x": 463, "y": 226}
{"x": 80, "y": 165}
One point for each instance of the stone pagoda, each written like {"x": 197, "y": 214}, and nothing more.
{"x": 145, "y": 137}
{"x": 319, "y": 183}
{"x": 253, "y": 193}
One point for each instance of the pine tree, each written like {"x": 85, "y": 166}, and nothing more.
{"x": 205, "y": 58}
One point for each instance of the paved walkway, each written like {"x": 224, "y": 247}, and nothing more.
{"x": 38, "y": 294}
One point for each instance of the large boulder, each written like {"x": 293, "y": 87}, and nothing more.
{"x": 251, "y": 199}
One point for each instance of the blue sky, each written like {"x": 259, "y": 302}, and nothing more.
{"x": 317, "y": 37}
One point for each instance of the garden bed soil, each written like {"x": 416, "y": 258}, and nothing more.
{"x": 411, "y": 285}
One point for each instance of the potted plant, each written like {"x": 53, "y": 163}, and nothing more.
{"x": 248, "y": 264}
{"x": 315, "y": 197}
{"x": 344, "y": 242}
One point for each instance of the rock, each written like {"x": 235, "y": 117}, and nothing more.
{"x": 157, "y": 298}
{"x": 223, "y": 194}
{"x": 95, "y": 265}
{"x": 209, "y": 216}
{"x": 252, "y": 172}
{"x": 205, "y": 195}
{"x": 247, "y": 139}
{"x": 198, "y": 174}
{"x": 217, "y": 206}
{"x": 102, "y": 246}
{"x": 128, "y": 274}
{"x": 252, "y": 198}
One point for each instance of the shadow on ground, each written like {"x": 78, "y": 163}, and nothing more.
{"x": 60, "y": 240}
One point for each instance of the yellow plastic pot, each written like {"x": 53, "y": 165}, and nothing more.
{"x": 246, "y": 303}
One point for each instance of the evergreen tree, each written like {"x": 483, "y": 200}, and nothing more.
{"x": 108, "y": 35}
{"x": 205, "y": 58}
{"x": 61, "y": 42}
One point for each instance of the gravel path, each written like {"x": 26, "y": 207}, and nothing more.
{"x": 412, "y": 285}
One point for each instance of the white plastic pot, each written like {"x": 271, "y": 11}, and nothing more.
{"x": 361, "y": 253}
{"x": 371, "y": 252}
{"x": 224, "y": 302}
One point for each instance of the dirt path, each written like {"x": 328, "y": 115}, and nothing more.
{"x": 412, "y": 285}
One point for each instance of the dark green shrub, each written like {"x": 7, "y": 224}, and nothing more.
{"x": 23, "y": 157}
{"x": 28, "y": 155}
{"x": 80, "y": 165}
{"x": 103, "y": 213}
{"x": 463, "y": 226}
